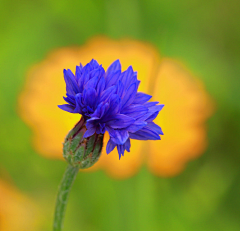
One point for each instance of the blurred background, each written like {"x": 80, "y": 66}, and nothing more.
{"x": 205, "y": 36}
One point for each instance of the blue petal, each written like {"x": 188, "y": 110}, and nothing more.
{"x": 69, "y": 99}
{"x": 100, "y": 111}
{"x": 110, "y": 130}
{"x": 91, "y": 122}
{"x": 110, "y": 146}
{"x": 100, "y": 128}
{"x": 138, "y": 82}
{"x": 155, "y": 127}
{"x": 121, "y": 150}
{"x": 152, "y": 117}
{"x": 101, "y": 85}
{"x": 135, "y": 111}
{"x": 87, "y": 77}
{"x": 112, "y": 78}
{"x": 78, "y": 72}
{"x": 96, "y": 72}
{"x": 115, "y": 66}
{"x": 120, "y": 121}
{"x": 114, "y": 105}
{"x": 152, "y": 112}
{"x": 126, "y": 77}
{"x": 150, "y": 104}
{"x": 71, "y": 83}
{"x": 141, "y": 98}
{"x": 122, "y": 147}
{"x": 157, "y": 107}
{"x": 145, "y": 133}
{"x": 89, "y": 132}
{"x": 136, "y": 126}
{"x": 127, "y": 145}
{"x": 119, "y": 136}
{"x": 132, "y": 79}
{"x": 107, "y": 93}
{"x": 130, "y": 95}
{"x": 89, "y": 97}
{"x": 94, "y": 64}
{"x": 66, "y": 107}
{"x": 78, "y": 99}
{"x": 84, "y": 77}
{"x": 120, "y": 88}
{"x": 86, "y": 69}
{"x": 92, "y": 83}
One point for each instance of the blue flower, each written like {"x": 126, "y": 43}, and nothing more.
{"x": 109, "y": 101}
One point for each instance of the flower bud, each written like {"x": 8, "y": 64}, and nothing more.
{"x": 79, "y": 151}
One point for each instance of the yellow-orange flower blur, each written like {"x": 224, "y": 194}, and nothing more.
{"x": 182, "y": 119}
{"x": 17, "y": 213}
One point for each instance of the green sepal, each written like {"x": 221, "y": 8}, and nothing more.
{"x": 82, "y": 152}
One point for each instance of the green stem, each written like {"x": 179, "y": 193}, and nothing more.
{"x": 62, "y": 196}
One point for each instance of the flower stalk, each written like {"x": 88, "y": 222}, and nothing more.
{"x": 80, "y": 153}
{"x": 62, "y": 196}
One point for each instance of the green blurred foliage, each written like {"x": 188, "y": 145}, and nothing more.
{"x": 205, "y": 36}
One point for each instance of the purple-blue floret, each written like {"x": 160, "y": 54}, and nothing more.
{"x": 109, "y": 101}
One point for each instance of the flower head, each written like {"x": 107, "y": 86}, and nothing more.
{"x": 109, "y": 101}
